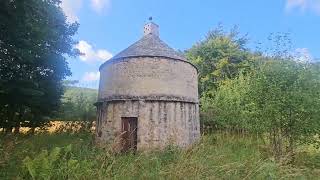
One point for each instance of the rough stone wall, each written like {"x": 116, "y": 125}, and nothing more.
{"x": 161, "y": 92}
{"x": 151, "y": 78}
{"x": 160, "y": 123}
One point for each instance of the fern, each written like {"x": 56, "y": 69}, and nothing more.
{"x": 59, "y": 163}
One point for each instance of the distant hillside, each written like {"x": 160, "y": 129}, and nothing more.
{"x": 77, "y": 104}
{"x": 73, "y": 90}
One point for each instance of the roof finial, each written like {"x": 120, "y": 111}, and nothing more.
{"x": 151, "y": 28}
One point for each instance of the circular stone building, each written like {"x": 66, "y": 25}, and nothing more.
{"x": 148, "y": 97}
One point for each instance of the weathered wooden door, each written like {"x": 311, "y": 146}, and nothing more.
{"x": 129, "y": 133}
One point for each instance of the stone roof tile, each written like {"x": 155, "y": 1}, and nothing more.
{"x": 149, "y": 45}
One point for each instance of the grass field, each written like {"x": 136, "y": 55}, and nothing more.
{"x": 217, "y": 156}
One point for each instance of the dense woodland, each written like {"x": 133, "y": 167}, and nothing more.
{"x": 260, "y": 108}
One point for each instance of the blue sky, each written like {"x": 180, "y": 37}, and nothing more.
{"x": 109, "y": 26}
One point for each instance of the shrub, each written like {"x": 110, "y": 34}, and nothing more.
{"x": 280, "y": 98}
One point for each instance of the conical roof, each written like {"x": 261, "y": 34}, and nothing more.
{"x": 149, "y": 45}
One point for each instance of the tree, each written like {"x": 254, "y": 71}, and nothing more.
{"x": 35, "y": 38}
{"x": 281, "y": 99}
{"x": 219, "y": 57}
{"x": 78, "y": 105}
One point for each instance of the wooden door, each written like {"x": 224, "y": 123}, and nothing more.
{"x": 129, "y": 133}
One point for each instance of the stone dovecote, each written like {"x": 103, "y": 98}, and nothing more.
{"x": 148, "y": 97}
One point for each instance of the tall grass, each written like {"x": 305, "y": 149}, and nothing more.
{"x": 217, "y": 156}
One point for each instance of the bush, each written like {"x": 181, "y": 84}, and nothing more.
{"x": 280, "y": 99}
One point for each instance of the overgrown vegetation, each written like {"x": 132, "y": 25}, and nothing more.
{"x": 265, "y": 106}
{"x": 216, "y": 156}
{"x": 280, "y": 100}
{"x": 271, "y": 94}
{"x": 35, "y": 40}
{"x": 77, "y": 108}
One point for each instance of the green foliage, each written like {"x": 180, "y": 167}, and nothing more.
{"x": 78, "y": 104}
{"x": 220, "y": 56}
{"x": 35, "y": 39}
{"x": 77, "y": 108}
{"x": 280, "y": 98}
{"x": 270, "y": 93}
{"x": 226, "y": 105}
{"x": 59, "y": 163}
{"x": 216, "y": 156}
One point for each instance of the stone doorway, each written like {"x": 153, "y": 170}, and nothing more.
{"x": 129, "y": 133}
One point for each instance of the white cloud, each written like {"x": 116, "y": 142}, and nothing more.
{"x": 89, "y": 54}
{"x": 100, "y": 5}
{"x": 104, "y": 54}
{"x": 91, "y": 76}
{"x": 303, "y": 5}
{"x": 71, "y": 8}
{"x": 303, "y": 55}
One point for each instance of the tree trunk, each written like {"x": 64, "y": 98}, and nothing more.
{"x": 8, "y": 130}
{"x": 291, "y": 149}
{"x": 277, "y": 144}
{"x": 32, "y": 130}
{"x": 291, "y": 138}
{"x": 17, "y": 127}
{"x": 10, "y": 121}
{"x": 18, "y": 120}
